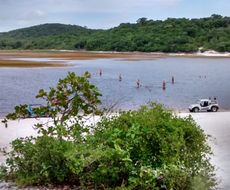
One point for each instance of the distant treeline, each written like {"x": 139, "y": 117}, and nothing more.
{"x": 171, "y": 35}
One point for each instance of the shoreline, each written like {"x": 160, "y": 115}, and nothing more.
{"x": 11, "y": 55}
{"x": 208, "y": 53}
{"x": 9, "y": 58}
{"x": 174, "y": 110}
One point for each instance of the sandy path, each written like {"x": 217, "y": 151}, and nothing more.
{"x": 17, "y": 129}
{"x": 218, "y": 126}
{"x": 215, "y": 124}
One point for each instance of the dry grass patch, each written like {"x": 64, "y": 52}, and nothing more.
{"x": 29, "y": 64}
{"x": 76, "y": 55}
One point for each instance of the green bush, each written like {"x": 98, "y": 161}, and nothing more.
{"x": 150, "y": 148}
{"x": 40, "y": 160}
{"x": 151, "y": 143}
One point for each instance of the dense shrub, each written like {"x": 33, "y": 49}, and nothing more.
{"x": 39, "y": 161}
{"x": 150, "y": 148}
{"x": 152, "y": 143}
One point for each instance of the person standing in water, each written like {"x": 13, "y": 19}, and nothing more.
{"x": 164, "y": 85}
{"x": 173, "y": 80}
{"x": 138, "y": 83}
{"x": 120, "y": 78}
{"x": 100, "y": 72}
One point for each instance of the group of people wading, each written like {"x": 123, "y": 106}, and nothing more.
{"x": 138, "y": 82}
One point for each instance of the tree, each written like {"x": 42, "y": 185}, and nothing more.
{"x": 72, "y": 99}
{"x": 216, "y": 16}
{"x": 142, "y": 21}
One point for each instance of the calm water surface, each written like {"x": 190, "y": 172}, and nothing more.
{"x": 194, "y": 78}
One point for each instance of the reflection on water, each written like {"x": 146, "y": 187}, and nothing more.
{"x": 194, "y": 78}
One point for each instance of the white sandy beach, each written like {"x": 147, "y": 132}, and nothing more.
{"x": 218, "y": 126}
{"x": 210, "y": 53}
{"x": 215, "y": 124}
{"x": 15, "y": 129}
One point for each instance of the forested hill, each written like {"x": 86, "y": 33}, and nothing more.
{"x": 171, "y": 35}
{"x": 45, "y": 36}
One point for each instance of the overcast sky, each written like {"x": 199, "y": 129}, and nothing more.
{"x": 102, "y": 13}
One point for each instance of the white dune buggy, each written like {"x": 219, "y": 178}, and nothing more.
{"x": 204, "y": 105}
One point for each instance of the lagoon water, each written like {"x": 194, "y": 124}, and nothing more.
{"x": 194, "y": 78}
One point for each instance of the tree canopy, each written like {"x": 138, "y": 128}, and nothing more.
{"x": 170, "y": 35}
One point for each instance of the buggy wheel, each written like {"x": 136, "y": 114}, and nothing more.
{"x": 214, "y": 109}
{"x": 195, "y": 109}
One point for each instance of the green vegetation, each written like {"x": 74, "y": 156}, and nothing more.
{"x": 171, "y": 35}
{"x": 150, "y": 148}
{"x": 46, "y": 36}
